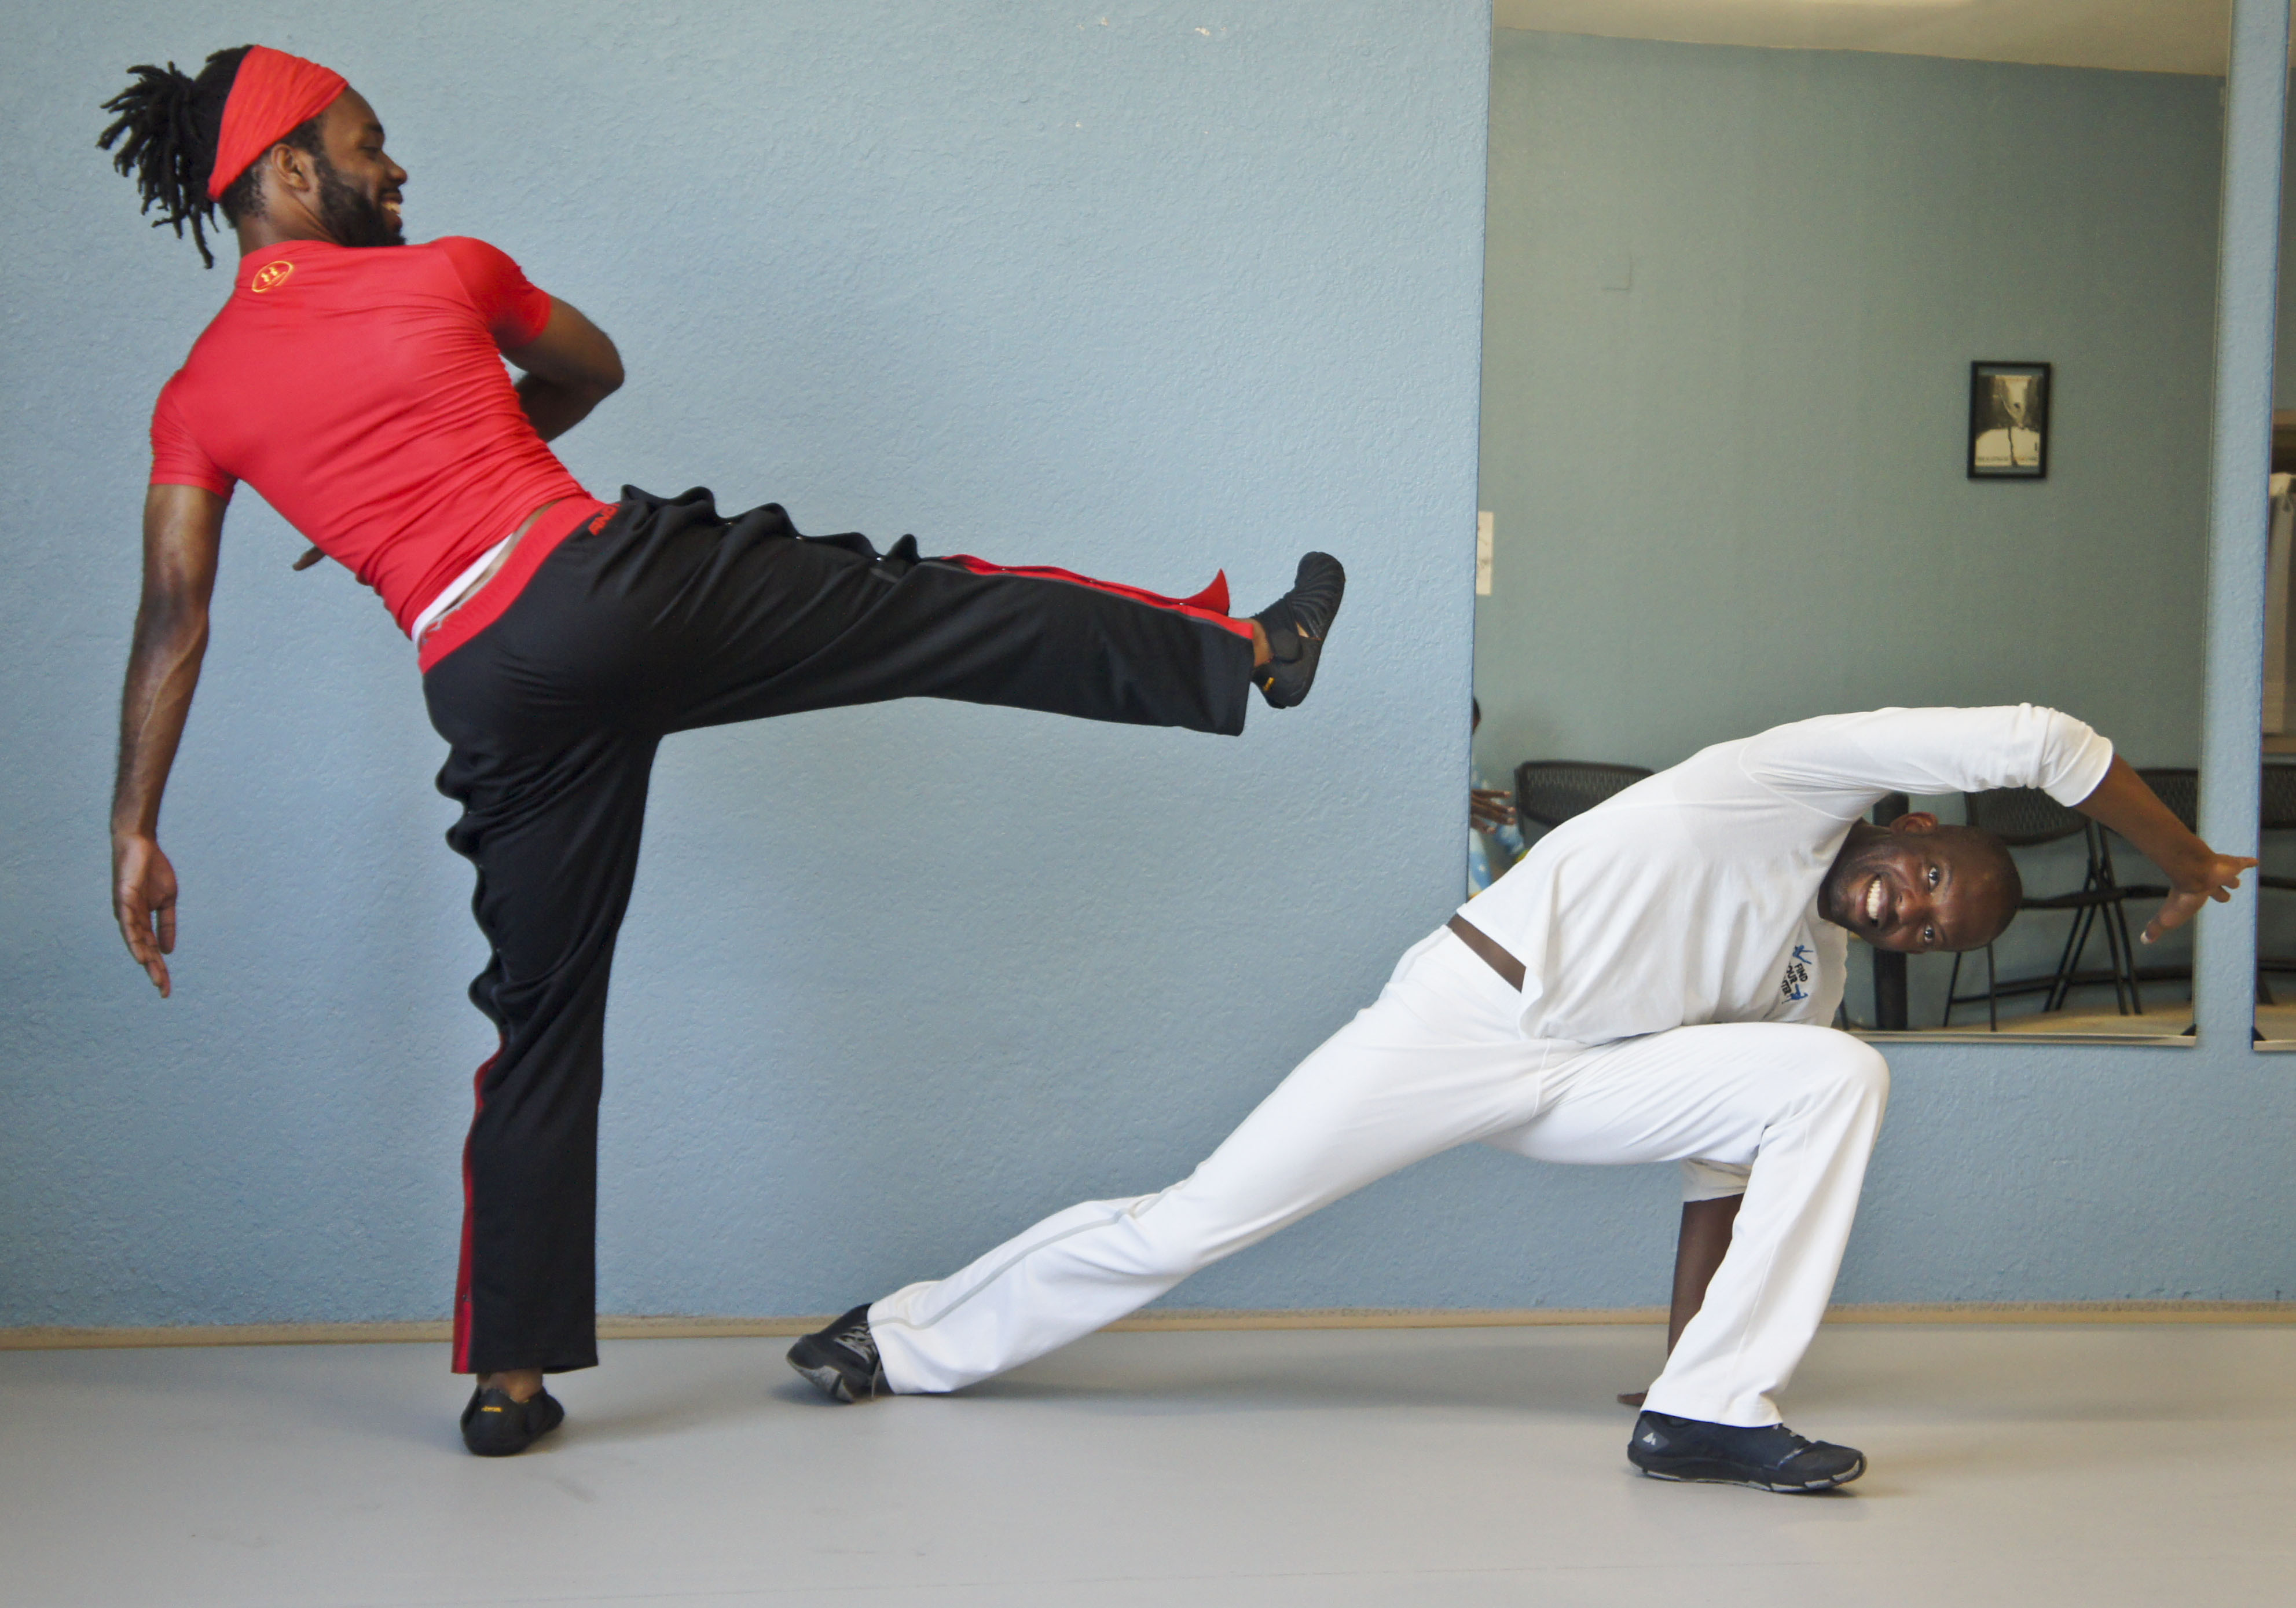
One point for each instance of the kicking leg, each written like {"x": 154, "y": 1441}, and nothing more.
{"x": 735, "y": 620}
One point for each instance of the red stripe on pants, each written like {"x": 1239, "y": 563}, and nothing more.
{"x": 463, "y": 1271}
{"x": 1211, "y": 604}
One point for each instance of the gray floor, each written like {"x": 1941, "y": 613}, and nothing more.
{"x": 2010, "y": 1465}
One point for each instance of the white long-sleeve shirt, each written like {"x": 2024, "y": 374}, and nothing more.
{"x": 1692, "y": 896}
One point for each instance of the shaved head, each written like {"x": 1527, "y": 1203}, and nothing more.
{"x": 1918, "y": 884}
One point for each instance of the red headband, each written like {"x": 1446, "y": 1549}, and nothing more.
{"x": 272, "y": 95}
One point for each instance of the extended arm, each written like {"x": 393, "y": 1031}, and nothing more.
{"x": 571, "y": 367}
{"x": 2197, "y": 873}
{"x": 183, "y": 533}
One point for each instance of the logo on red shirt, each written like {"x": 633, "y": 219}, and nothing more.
{"x": 270, "y": 276}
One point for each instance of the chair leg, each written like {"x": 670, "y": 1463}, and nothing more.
{"x": 2125, "y": 973}
{"x": 1953, "y": 982}
{"x": 2102, "y": 875}
{"x": 2076, "y": 945}
{"x": 2089, "y": 929}
{"x": 1992, "y": 993}
{"x": 2129, "y": 948}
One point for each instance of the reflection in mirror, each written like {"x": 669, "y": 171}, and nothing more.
{"x": 1737, "y": 473}
{"x": 2275, "y": 879}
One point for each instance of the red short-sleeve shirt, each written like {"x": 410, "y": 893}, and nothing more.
{"x": 362, "y": 392}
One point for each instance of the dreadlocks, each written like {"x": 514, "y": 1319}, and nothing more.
{"x": 172, "y": 123}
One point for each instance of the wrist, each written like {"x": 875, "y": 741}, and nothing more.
{"x": 2195, "y": 870}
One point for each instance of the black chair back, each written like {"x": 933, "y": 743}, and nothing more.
{"x": 2178, "y": 786}
{"x": 2278, "y": 812}
{"x": 1550, "y": 791}
{"x": 2021, "y": 816}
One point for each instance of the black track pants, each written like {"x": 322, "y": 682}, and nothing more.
{"x": 666, "y": 618}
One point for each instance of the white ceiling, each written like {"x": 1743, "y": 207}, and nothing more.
{"x": 2141, "y": 36}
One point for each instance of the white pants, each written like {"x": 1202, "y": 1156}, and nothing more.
{"x": 1787, "y": 1114}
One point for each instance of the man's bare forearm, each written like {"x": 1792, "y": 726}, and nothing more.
{"x": 2123, "y": 802}
{"x": 2196, "y": 872}
{"x": 163, "y": 670}
{"x": 554, "y": 406}
{"x": 183, "y": 533}
{"x": 571, "y": 367}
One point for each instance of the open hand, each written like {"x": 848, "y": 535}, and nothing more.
{"x": 2214, "y": 879}
{"x": 143, "y": 901}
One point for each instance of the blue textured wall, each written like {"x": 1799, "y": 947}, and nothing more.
{"x": 1138, "y": 289}
{"x": 2284, "y": 367}
{"x": 898, "y": 979}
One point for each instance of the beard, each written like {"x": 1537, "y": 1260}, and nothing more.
{"x": 352, "y": 217}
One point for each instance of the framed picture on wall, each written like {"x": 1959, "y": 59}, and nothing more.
{"x": 2008, "y": 421}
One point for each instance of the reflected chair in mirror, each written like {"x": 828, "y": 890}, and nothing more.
{"x": 1548, "y": 792}
{"x": 2025, "y": 817}
{"x": 2277, "y": 812}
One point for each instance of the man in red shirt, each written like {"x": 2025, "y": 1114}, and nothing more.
{"x": 361, "y": 389}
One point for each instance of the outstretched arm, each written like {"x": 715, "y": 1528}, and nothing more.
{"x": 571, "y": 367}
{"x": 2196, "y": 872}
{"x": 183, "y": 533}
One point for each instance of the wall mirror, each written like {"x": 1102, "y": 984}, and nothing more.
{"x": 1738, "y": 276}
{"x": 2276, "y": 899}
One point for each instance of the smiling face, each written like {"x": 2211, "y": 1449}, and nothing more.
{"x": 360, "y": 187}
{"x": 1919, "y": 885}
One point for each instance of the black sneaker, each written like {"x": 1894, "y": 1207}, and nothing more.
{"x": 1772, "y": 1457}
{"x": 1296, "y": 624}
{"x": 842, "y": 1359}
{"x": 496, "y": 1426}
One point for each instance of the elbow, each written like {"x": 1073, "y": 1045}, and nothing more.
{"x": 597, "y": 387}
{"x": 170, "y": 621}
{"x": 165, "y": 640}
{"x": 609, "y": 377}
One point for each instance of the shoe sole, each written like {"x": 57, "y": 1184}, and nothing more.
{"x": 828, "y": 1378}
{"x": 1293, "y": 697}
{"x": 1697, "y": 1471}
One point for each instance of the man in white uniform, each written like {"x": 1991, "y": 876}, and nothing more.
{"x": 1652, "y": 983}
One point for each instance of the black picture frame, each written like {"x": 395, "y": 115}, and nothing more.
{"x": 2009, "y": 420}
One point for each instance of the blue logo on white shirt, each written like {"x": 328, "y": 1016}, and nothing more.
{"x": 1798, "y": 972}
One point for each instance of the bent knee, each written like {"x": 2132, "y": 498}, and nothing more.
{"x": 1850, "y": 1068}
{"x": 1709, "y": 1180}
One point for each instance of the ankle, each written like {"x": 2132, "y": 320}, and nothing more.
{"x": 520, "y": 1384}
{"x": 1260, "y": 651}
